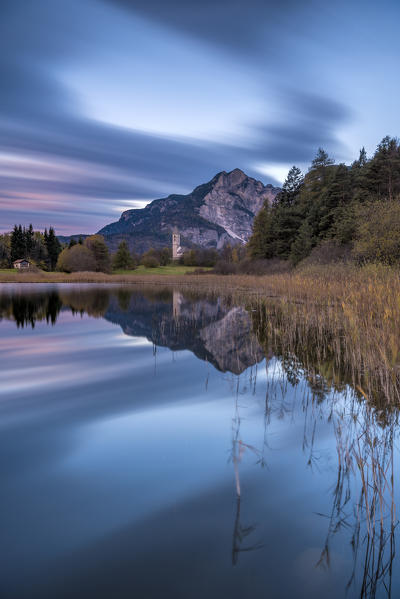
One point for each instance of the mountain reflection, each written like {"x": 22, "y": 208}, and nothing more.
{"x": 212, "y": 329}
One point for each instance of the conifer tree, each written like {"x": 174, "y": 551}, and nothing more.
{"x": 336, "y": 200}
{"x": 53, "y": 247}
{"x": 18, "y": 246}
{"x": 384, "y": 169}
{"x": 98, "y": 247}
{"x": 39, "y": 250}
{"x": 29, "y": 234}
{"x": 122, "y": 258}
{"x": 291, "y": 188}
{"x": 303, "y": 243}
{"x": 259, "y": 245}
{"x": 285, "y": 216}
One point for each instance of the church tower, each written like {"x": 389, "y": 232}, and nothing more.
{"x": 176, "y": 244}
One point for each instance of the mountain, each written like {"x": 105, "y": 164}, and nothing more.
{"x": 214, "y": 213}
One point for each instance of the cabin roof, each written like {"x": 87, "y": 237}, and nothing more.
{"x": 20, "y": 260}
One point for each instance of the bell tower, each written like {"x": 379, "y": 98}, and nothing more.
{"x": 176, "y": 242}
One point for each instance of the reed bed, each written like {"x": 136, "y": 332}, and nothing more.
{"x": 347, "y": 328}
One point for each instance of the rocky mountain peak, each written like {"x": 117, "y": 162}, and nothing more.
{"x": 213, "y": 214}
{"x": 235, "y": 177}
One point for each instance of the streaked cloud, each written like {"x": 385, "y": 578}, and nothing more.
{"x": 108, "y": 104}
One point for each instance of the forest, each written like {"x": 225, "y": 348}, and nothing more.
{"x": 335, "y": 212}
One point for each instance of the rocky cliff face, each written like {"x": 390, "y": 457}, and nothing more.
{"x": 233, "y": 201}
{"x": 214, "y": 213}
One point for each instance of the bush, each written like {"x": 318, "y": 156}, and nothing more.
{"x": 328, "y": 252}
{"x": 75, "y": 259}
{"x": 150, "y": 262}
{"x": 190, "y": 258}
{"x": 223, "y": 267}
{"x": 253, "y": 267}
{"x": 270, "y": 266}
{"x": 165, "y": 256}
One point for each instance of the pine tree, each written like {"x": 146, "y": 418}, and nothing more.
{"x": 29, "y": 233}
{"x": 53, "y": 247}
{"x": 285, "y": 216}
{"x": 321, "y": 160}
{"x": 303, "y": 243}
{"x": 260, "y": 242}
{"x": 384, "y": 170}
{"x": 314, "y": 196}
{"x": 291, "y": 188}
{"x": 122, "y": 259}
{"x": 18, "y": 245}
{"x": 98, "y": 247}
{"x": 359, "y": 181}
{"x": 39, "y": 250}
{"x": 5, "y": 250}
{"x": 336, "y": 200}
{"x": 362, "y": 160}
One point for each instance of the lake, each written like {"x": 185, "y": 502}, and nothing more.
{"x": 155, "y": 443}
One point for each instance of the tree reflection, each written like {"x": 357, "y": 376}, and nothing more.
{"x": 27, "y": 309}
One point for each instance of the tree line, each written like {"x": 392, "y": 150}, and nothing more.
{"x": 347, "y": 211}
{"x": 92, "y": 254}
{"x": 42, "y": 249}
{"x": 123, "y": 259}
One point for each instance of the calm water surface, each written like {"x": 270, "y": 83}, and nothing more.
{"x": 151, "y": 446}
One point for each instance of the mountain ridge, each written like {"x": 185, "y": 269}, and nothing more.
{"x": 216, "y": 212}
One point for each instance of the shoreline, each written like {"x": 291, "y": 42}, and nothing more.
{"x": 318, "y": 284}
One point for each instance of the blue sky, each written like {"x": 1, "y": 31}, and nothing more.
{"x": 108, "y": 104}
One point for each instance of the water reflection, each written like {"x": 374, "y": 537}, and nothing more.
{"x": 212, "y": 329}
{"x": 27, "y": 309}
{"x": 317, "y": 427}
{"x": 363, "y": 500}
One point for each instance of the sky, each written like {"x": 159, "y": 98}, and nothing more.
{"x": 106, "y": 105}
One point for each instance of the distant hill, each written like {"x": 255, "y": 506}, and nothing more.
{"x": 67, "y": 238}
{"x": 214, "y": 213}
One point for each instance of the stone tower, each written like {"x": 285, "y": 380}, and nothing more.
{"x": 176, "y": 244}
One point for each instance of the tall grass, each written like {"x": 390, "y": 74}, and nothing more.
{"x": 345, "y": 323}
